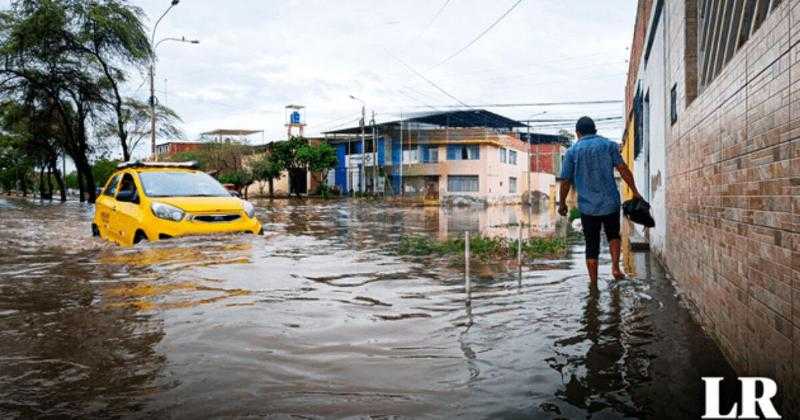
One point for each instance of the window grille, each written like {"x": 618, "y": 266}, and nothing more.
{"x": 722, "y": 28}
{"x": 463, "y": 183}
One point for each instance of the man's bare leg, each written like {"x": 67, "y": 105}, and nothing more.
{"x": 591, "y": 266}
{"x": 616, "y": 246}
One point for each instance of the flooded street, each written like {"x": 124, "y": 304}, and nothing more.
{"x": 319, "y": 317}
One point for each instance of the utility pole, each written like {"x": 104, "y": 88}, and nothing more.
{"x": 153, "y": 110}
{"x": 401, "y": 152}
{"x": 361, "y": 171}
{"x": 374, "y": 154}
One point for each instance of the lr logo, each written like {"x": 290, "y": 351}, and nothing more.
{"x": 749, "y": 399}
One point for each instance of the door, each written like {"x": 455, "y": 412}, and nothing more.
{"x": 431, "y": 187}
{"x": 128, "y": 212}
{"x": 105, "y": 206}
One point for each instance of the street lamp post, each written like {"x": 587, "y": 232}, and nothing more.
{"x": 153, "y": 91}
{"x": 172, "y": 4}
{"x": 361, "y": 171}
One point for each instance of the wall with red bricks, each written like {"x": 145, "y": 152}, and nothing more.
{"x": 733, "y": 196}
{"x": 643, "y": 12}
{"x": 545, "y": 158}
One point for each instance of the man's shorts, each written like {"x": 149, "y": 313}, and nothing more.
{"x": 591, "y": 230}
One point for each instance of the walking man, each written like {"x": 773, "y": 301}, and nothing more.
{"x": 589, "y": 166}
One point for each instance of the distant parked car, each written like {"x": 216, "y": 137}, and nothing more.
{"x": 152, "y": 201}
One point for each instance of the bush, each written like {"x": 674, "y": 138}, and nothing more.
{"x": 483, "y": 247}
{"x": 324, "y": 191}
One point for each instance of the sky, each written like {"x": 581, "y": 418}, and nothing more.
{"x": 257, "y": 56}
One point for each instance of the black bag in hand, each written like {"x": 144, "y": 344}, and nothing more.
{"x": 638, "y": 210}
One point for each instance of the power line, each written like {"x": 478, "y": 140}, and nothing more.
{"x": 421, "y": 76}
{"x": 528, "y": 104}
{"x": 430, "y": 22}
{"x": 554, "y": 120}
{"x": 480, "y": 35}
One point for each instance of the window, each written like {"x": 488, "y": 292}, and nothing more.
{"x": 463, "y": 183}
{"x": 411, "y": 155}
{"x": 181, "y": 184}
{"x": 430, "y": 154}
{"x": 512, "y": 157}
{"x": 111, "y": 189}
{"x": 722, "y": 28}
{"x": 127, "y": 189}
{"x": 512, "y": 185}
{"x": 463, "y": 152}
{"x": 503, "y": 155}
{"x": 673, "y": 104}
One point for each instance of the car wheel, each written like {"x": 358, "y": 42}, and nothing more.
{"x": 139, "y": 237}
{"x": 95, "y": 231}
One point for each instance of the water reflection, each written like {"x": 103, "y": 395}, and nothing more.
{"x": 319, "y": 318}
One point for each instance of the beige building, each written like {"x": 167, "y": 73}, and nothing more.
{"x": 447, "y": 158}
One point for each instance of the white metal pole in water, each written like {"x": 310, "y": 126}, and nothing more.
{"x": 362, "y": 171}
{"x": 530, "y": 145}
{"x": 401, "y": 153}
{"x": 519, "y": 246}
{"x": 466, "y": 262}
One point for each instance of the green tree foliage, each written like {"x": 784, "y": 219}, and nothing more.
{"x": 267, "y": 169}
{"x": 224, "y": 159}
{"x": 318, "y": 159}
{"x": 566, "y": 133}
{"x": 285, "y": 152}
{"x": 30, "y": 139}
{"x": 135, "y": 117}
{"x": 15, "y": 166}
{"x": 103, "y": 169}
{"x": 65, "y": 59}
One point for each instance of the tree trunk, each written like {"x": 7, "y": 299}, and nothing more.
{"x": 81, "y": 196}
{"x": 81, "y": 161}
{"x": 271, "y": 188}
{"x": 88, "y": 179}
{"x": 59, "y": 180}
{"x": 23, "y": 185}
{"x": 41, "y": 182}
{"x": 49, "y": 184}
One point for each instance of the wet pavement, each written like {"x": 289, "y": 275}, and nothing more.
{"x": 320, "y": 318}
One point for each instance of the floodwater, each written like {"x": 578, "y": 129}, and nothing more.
{"x": 319, "y": 318}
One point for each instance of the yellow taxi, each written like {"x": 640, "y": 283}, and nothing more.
{"x": 152, "y": 201}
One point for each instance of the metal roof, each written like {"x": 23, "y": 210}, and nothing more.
{"x": 537, "y": 138}
{"x": 230, "y": 132}
{"x": 143, "y": 164}
{"x": 457, "y": 118}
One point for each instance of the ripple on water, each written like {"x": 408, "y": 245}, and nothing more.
{"x": 318, "y": 318}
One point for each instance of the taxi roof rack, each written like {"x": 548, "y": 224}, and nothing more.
{"x": 141, "y": 164}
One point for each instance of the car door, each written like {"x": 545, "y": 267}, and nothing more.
{"x": 105, "y": 205}
{"x": 128, "y": 211}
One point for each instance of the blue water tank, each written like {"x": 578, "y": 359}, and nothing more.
{"x": 295, "y": 117}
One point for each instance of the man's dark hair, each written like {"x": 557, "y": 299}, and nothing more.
{"x": 585, "y": 126}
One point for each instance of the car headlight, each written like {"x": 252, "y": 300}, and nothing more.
{"x": 167, "y": 212}
{"x": 249, "y": 208}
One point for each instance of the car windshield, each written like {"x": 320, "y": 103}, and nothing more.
{"x": 181, "y": 184}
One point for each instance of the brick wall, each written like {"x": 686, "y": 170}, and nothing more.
{"x": 545, "y": 158}
{"x": 733, "y": 196}
{"x": 637, "y": 49}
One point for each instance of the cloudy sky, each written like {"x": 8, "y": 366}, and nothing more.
{"x": 256, "y": 56}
